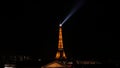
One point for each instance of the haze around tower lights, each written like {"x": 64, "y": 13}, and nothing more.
{"x": 60, "y": 25}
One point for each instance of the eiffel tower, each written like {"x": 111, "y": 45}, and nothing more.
{"x": 60, "y": 55}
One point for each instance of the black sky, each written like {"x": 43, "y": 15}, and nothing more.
{"x": 31, "y": 28}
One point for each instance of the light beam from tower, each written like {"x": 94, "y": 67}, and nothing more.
{"x": 76, "y": 7}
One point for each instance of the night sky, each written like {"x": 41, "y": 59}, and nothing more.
{"x": 31, "y": 28}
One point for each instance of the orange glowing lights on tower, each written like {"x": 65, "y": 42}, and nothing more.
{"x": 60, "y": 42}
{"x": 60, "y": 53}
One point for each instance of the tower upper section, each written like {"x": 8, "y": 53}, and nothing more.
{"x": 60, "y": 41}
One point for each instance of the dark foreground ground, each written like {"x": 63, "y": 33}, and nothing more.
{"x": 98, "y": 66}
{"x": 40, "y": 64}
{"x": 78, "y": 66}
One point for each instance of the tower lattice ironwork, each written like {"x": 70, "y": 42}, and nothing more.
{"x": 60, "y": 53}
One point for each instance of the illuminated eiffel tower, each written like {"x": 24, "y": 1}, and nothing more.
{"x": 60, "y": 55}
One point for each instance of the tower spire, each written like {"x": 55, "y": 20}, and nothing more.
{"x": 60, "y": 53}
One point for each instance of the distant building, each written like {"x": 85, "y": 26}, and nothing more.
{"x": 9, "y": 66}
{"x": 87, "y": 62}
{"x": 55, "y": 64}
